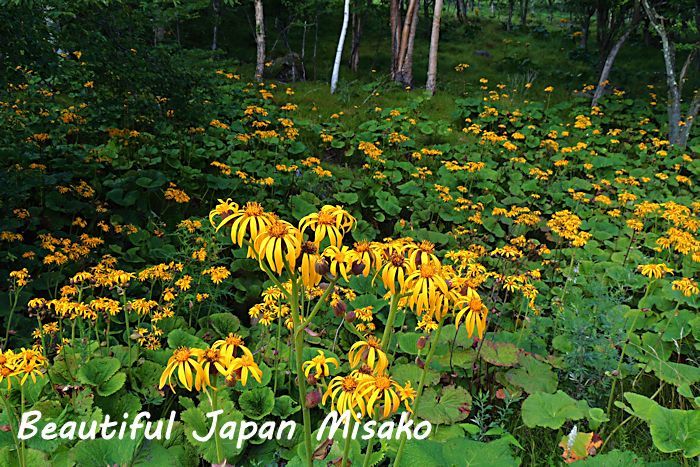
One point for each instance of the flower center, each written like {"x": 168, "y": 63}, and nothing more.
{"x": 428, "y": 270}
{"x": 212, "y": 355}
{"x": 309, "y": 248}
{"x": 373, "y": 342}
{"x": 475, "y": 304}
{"x": 253, "y": 209}
{"x": 361, "y": 247}
{"x": 277, "y": 229}
{"x": 426, "y": 246}
{"x": 397, "y": 260}
{"x": 234, "y": 340}
{"x": 182, "y": 354}
{"x": 382, "y": 383}
{"x": 325, "y": 218}
{"x": 349, "y": 384}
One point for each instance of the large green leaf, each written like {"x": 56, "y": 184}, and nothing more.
{"x": 552, "y": 410}
{"x": 257, "y": 403}
{"x": 671, "y": 429}
{"x": 533, "y": 376}
{"x": 499, "y": 353}
{"x": 450, "y": 406}
{"x": 98, "y": 370}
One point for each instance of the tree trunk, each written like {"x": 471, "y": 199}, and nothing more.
{"x": 586, "y": 27}
{"x": 462, "y": 11}
{"x": 405, "y": 73}
{"x": 339, "y": 50}
{"x": 303, "y": 52}
{"x": 434, "y": 40}
{"x": 677, "y": 134}
{"x": 259, "y": 40}
{"x": 394, "y": 26}
{"x": 524, "y": 6}
{"x": 216, "y": 6}
{"x": 511, "y": 6}
{"x": 605, "y": 72}
{"x": 356, "y": 35}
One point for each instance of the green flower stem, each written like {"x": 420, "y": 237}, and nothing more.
{"x": 368, "y": 453}
{"x": 345, "y": 462}
{"x": 11, "y": 414}
{"x": 317, "y": 307}
{"x": 298, "y": 352}
{"x": 421, "y": 384}
{"x": 9, "y": 318}
{"x": 389, "y": 328}
{"x": 214, "y": 408}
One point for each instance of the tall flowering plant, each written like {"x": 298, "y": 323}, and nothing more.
{"x": 311, "y": 266}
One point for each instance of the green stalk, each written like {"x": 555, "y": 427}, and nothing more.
{"x": 298, "y": 353}
{"x": 346, "y": 451}
{"x": 421, "y": 384}
{"x": 389, "y": 328}
{"x": 11, "y": 413}
{"x": 214, "y": 408}
{"x": 368, "y": 453}
{"x": 9, "y": 318}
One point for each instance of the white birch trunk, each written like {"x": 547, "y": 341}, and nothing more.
{"x": 434, "y": 41}
{"x": 341, "y": 43}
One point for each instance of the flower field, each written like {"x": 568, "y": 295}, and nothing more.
{"x": 522, "y": 275}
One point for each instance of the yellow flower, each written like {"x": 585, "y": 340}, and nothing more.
{"x": 207, "y": 359}
{"x": 370, "y": 352}
{"x": 278, "y": 241}
{"x": 319, "y": 364}
{"x": 307, "y": 264}
{"x": 406, "y": 394}
{"x": 426, "y": 288}
{"x": 250, "y": 220}
{"x": 654, "y": 270}
{"x": 225, "y": 210}
{"x": 183, "y": 361}
{"x": 395, "y": 271}
{"x": 380, "y": 388}
{"x": 229, "y": 346}
{"x": 344, "y": 396}
{"x": 242, "y": 366}
{"x": 686, "y": 286}
{"x": 476, "y": 314}
{"x": 365, "y": 254}
{"x": 338, "y": 257}
{"x": 331, "y": 221}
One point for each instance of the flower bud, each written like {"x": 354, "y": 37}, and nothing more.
{"x": 357, "y": 268}
{"x": 420, "y": 363}
{"x": 339, "y": 308}
{"x": 350, "y": 316}
{"x": 322, "y": 267}
{"x": 313, "y": 398}
{"x": 421, "y": 342}
{"x": 311, "y": 380}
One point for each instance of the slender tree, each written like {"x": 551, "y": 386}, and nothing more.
{"x": 612, "y": 55}
{"x": 679, "y": 129}
{"x": 216, "y": 7}
{"x": 259, "y": 40}
{"x": 339, "y": 50}
{"x": 433, "y": 56}
{"x": 402, "y": 40}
